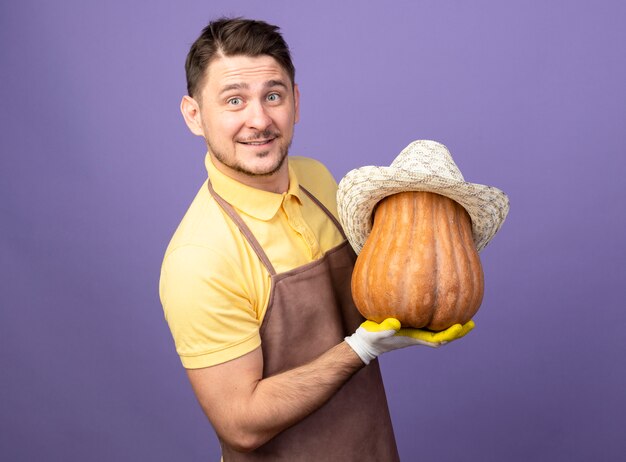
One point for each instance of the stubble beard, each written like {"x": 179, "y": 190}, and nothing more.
{"x": 238, "y": 167}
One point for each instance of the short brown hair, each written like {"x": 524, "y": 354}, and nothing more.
{"x": 231, "y": 37}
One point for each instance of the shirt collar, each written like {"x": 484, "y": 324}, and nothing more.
{"x": 257, "y": 203}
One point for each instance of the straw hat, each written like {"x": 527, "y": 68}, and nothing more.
{"x": 422, "y": 166}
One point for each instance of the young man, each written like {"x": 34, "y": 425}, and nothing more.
{"x": 255, "y": 283}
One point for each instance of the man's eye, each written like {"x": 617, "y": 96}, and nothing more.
{"x": 235, "y": 101}
{"x": 273, "y": 97}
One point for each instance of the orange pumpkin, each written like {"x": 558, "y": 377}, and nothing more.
{"x": 419, "y": 264}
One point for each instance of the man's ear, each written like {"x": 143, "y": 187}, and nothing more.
{"x": 191, "y": 113}
{"x": 296, "y": 99}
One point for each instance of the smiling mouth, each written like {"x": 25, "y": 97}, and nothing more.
{"x": 262, "y": 139}
{"x": 257, "y": 142}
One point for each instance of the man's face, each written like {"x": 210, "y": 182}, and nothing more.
{"x": 248, "y": 109}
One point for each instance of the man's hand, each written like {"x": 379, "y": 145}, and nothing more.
{"x": 372, "y": 339}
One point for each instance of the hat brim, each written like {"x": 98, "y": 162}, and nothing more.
{"x": 361, "y": 189}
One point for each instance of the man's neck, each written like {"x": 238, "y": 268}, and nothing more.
{"x": 277, "y": 182}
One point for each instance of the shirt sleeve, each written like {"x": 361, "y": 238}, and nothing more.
{"x": 207, "y": 305}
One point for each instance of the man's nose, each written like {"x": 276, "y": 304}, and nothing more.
{"x": 257, "y": 116}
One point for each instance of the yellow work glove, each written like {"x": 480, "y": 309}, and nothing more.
{"x": 372, "y": 339}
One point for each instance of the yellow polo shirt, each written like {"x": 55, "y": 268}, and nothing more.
{"x": 213, "y": 287}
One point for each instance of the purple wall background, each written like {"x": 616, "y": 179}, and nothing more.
{"x": 97, "y": 168}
